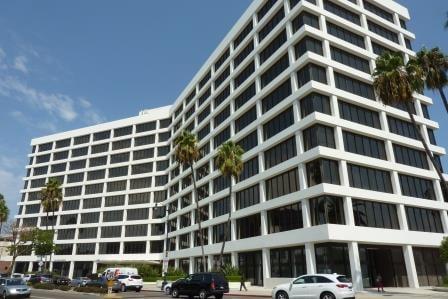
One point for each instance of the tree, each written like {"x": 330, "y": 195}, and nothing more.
{"x": 394, "y": 82}
{"x": 434, "y": 64}
{"x": 43, "y": 242}
{"x": 22, "y": 242}
{"x": 186, "y": 154}
{"x": 230, "y": 165}
{"x": 4, "y": 212}
{"x": 444, "y": 250}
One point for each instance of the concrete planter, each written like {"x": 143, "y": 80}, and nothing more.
{"x": 236, "y": 285}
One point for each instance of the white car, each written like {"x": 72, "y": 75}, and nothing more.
{"x": 316, "y": 286}
{"x": 129, "y": 282}
{"x": 167, "y": 288}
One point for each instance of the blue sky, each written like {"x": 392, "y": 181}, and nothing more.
{"x": 65, "y": 65}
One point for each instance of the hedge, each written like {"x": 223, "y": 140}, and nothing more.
{"x": 64, "y": 288}
{"x": 233, "y": 278}
{"x": 91, "y": 290}
{"x": 43, "y": 286}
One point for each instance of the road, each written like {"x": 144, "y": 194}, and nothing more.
{"x": 45, "y": 294}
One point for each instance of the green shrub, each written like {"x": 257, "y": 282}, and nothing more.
{"x": 173, "y": 278}
{"x": 229, "y": 270}
{"x": 64, "y": 288}
{"x": 150, "y": 278}
{"x": 43, "y": 286}
{"x": 233, "y": 278}
{"x": 91, "y": 290}
{"x": 175, "y": 272}
{"x": 148, "y": 272}
{"x": 445, "y": 281}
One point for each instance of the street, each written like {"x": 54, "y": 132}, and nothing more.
{"x": 45, "y": 294}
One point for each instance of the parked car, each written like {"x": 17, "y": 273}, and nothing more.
{"x": 97, "y": 282}
{"x": 166, "y": 288}
{"x": 131, "y": 282}
{"x": 121, "y": 270}
{"x": 323, "y": 286}
{"x": 17, "y": 275}
{"x": 40, "y": 278}
{"x": 13, "y": 287}
{"x": 79, "y": 281}
{"x": 61, "y": 281}
{"x": 201, "y": 284}
{"x": 27, "y": 277}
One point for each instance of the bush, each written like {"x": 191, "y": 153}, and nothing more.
{"x": 91, "y": 290}
{"x": 173, "y": 278}
{"x": 64, "y": 288}
{"x": 175, "y": 272}
{"x": 43, "y": 286}
{"x": 148, "y": 272}
{"x": 229, "y": 270}
{"x": 236, "y": 278}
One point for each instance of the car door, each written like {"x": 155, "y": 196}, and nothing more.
{"x": 2, "y": 285}
{"x": 300, "y": 288}
{"x": 184, "y": 286}
{"x": 320, "y": 284}
{"x": 195, "y": 284}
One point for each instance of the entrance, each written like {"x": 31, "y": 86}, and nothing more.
{"x": 251, "y": 266}
{"x": 386, "y": 261}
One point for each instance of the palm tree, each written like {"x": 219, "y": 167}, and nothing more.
{"x": 51, "y": 199}
{"x": 186, "y": 153}
{"x": 4, "y": 212}
{"x": 395, "y": 82}
{"x": 230, "y": 165}
{"x": 434, "y": 64}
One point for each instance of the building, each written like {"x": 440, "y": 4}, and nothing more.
{"x": 333, "y": 180}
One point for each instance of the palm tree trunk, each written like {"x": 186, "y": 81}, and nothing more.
{"x": 427, "y": 150}
{"x": 201, "y": 238}
{"x": 221, "y": 256}
{"x": 46, "y": 227}
{"x": 445, "y": 102}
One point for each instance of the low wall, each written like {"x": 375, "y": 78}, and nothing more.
{"x": 269, "y": 283}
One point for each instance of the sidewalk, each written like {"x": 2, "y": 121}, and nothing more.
{"x": 252, "y": 291}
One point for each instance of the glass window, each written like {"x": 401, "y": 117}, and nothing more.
{"x": 285, "y": 218}
{"x": 305, "y": 18}
{"x": 424, "y": 220}
{"x": 276, "y": 69}
{"x": 318, "y": 135}
{"x": 342, "y": 12}
{"x": 277, "y": 124}
{"x": 247, "y": 197}
{"x": 249, "y": 226}
{"x": 416, "y": 187}
{"x": 375, "y": 214}
{"x": 359, "y": 115}
{"x": 369, "y": 178}
{"x": 280, "y": 153}
{"x": 322, "y": 171}
{"x": 354, "y": 86}
{"x": 271, "y": 24}
{"x": 282, "y": 184}
{"x": 345, "y": 35}
{"x": 363, "y": 145}
{"x": 288, "y": 262}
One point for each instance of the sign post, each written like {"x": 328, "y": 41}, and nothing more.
{"x": 165, "y": 266}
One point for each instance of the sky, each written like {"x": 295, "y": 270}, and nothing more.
{"x": 69, "y": 64}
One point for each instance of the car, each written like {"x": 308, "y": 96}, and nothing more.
{"x": 97, "y": 282}
{"x": 319, "y": 286}
{"x": 61, "y": 281}
{"x": 14, "y": 287}
{"x": 134, "y": 282}
{"x": 40, "y": 278}
{"x": 201, "y": 284}
{"x": 17, "y": 275}
{"x": 79, "y": 281}
{"x": 26, "y": 277}
{"x": 166, "y": 288}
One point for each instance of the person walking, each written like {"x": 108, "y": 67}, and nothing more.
{"x": 379, "y": 283}
{"x": 242, "y": 283}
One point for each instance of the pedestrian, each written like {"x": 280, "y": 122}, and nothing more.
{"x": 242, "y": 283}
{"x": 379, "y": 283}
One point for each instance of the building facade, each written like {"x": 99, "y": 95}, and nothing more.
{"x": 333, "y": 180}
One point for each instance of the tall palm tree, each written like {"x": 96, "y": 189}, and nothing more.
{"x": 230, "y": 165}
{"x": 395, "y": 82}
{"x": 187, "y": 153}
{"x": 4, "y": 212}
{"x": 434, "y": 64}
{"x": 51, "y": 199}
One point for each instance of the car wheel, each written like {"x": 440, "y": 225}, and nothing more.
{"x": 175, "y": 293}
{"x": 281, "y": 295}
{"x": 219, "y": 296}
{"x": 138, "y": 289}
{"x": 79, "y": 285}
{"x": 327, "y": 295}
{"x": 4, "y": 295}
{"x": 123, "y": 288}
{"x": 168, "y": 290}
{"x": 202, "y": 294}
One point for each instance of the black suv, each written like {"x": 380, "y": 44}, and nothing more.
{"x": 202, "y": 285}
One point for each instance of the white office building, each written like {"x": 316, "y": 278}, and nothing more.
{"x": 333, "y": 180}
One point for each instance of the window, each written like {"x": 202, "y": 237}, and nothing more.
{"x": 197, "y": 237}
{"x": 276, "y": 69}
{"x": 381, "y": 31}
{"x": 121, "y": 144}
{"x": 185, "y": 220}
{"x": 380, "y": 49}
{"x": 116, "y": 186}
{"x": 402, "y": 127}
{"x": 70, "y": 219}
{"x": 143, "y": 154}
{"x": 221, "y": 97}
{"x": 247, "y": 197}
{"x": 248, "y": 226}
{"x": 114, "y": 201}
{"x": 112, "y": 216}
{"x": 308, "y": 43}
{"x": 250, "y": 168}
{"x": 424, "y": 220}
{"x": 245, "y": 32}
{"x": 144, "y": 140}
{"x": 88, "y": 233}
{"x": 304, "y": 18}
{"x": 134, "y": 247}
{"x": 73, "y": 191}
{"x": 139, "y": 198}
{"x": 221, "y": 230}
{"x": 249, "y": 141}
{"x": 245, "y": 96}
{"x": 204, "y": 113}
{"x": 271, "y": 24}
{"x": 95, "y": 174}
{"x": 159, "y": 196}
{"x": 345, "y": 35}
{"x": 416, "y": 187}
{"x": 379, "y": 11}
{"x": 411, "y": 157}
{"x": 100, "y": 148}
{"x": 222, "y": 58}
{"x": 111, "y": 232}
{"x": 363, "y": 145}
{"x": 118, "y": 171}
{"x": 204, "y": 131}
{"x": 77, "y": 164}
{"x": 139, "y": 230}
{"x": 315, "y": 102}
{"x": 431, "y": 136}
{"x": 220, "y": 183}
{"x": 64, "y": 249}
{"x": 326, "y": 210}
{"x": 93, "y": 162}
{"x": 82, "y": 151}
{"x": 204, "y": 96}
{"x": 144, "y": 127}
{"x": 350, "y": 60}
{"x": 243, "y": 54}
{"x": 277, "y": 124}
{"x": 156, "y": 246}
{"x": 203, "y": 191}
{"x": 311, "y": 72}
{"x": 119, "y": 158}
{"x": 203, "y": 213}
{"x": 429, "y": 266}
{"x": 81, "y": 139}
{"x": 158, "y": 212}
{"x": 37, "y": 183}
{"x": 110, "y": 248}
{"x": 221, "y": 137}
{"x": 157, "y": 229}
{"x": 63, "y": 143}
{"x": 354, "y": 86}
{"x": 273, "y": 46}
{"x": 222, "y": 77}
{"x": 332, "y": 258}
{"x": 184, "y": 241}
{"x": 222, "y": 116}
{"x": 280, "y": 153}
{"x": 285, "y": 218}
{"x": 369, "y": 178}
{"x": 137, "y": 214}
{"x": 318, "y": 135}
{"x": 91, "y": 203}
{"x": 408, "y": 43}
{"x": 41, "y": 170}
{"x": 68, "y": 205}
{"x": 66, "y": 234}
{"x": 123, "y": 131}
{"x": 265, "y": 8}
{"x": 244, "y": 74}
{"x": 276, "y": 96}
{"x": 342, "y": 12}
{"x": 60, "y": 155}
{"x": 359, "y": 115}
{"x": 160, "y": 180}
{"x": 141, "y": 183}
{"x": 282, "y": 184}
{"x": 101, "y": 135}
{"x": 32, "y": 209}
{"x": 163, "y": 150}
{"x": 90, "y": 217}
{"x": 162, "y": 165}
{"x": 221, "y": 207}
{"x": 375, "y": 214}
{"x": 322, "y": 171}
{"x": 288, "y": 262}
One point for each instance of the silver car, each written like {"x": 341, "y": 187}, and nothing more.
{"x": 14, "y": 287}
{"x": 79, "y": 281}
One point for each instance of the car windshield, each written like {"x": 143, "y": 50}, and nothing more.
{"x": 343, "y": 279}
{"x": 122, "y": 276}
{"x": 136, "y": 276}
{"x": 15, "y": 282}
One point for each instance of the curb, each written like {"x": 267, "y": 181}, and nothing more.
{"x": 248, "y": 295}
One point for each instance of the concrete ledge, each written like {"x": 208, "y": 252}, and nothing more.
{"x": 440, "y": 289}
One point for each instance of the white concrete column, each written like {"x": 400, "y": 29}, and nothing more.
{"x": 94, "y": 267}
{"x": 191, "y": 265}
{"x": 306, "y": 213}
{"x": 264, "y": 222}
{"x": 233, "y": 232}
{"x": 355, "y": 265}
{"x": 209, "y": 262}
{"x": 348, "y": 211}
{"x": 395, "y": 183}
{"x": 310, "y": 258}
{"x": 302, "y": 176}
{"x": 444, "y": 217}
{"x": 234, "y": 258}
{"x": 402, "y": 217}
{"x": 30, "y": 267}
{"x": 70, "y": 269}
{"x": 176, "y": 263}
{"x": 266, "y": 260}
{"x": 410, "y": 266}
{"x": 343, "y": 173}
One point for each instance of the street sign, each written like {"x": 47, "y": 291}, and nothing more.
{"x": 165, "y": 265}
